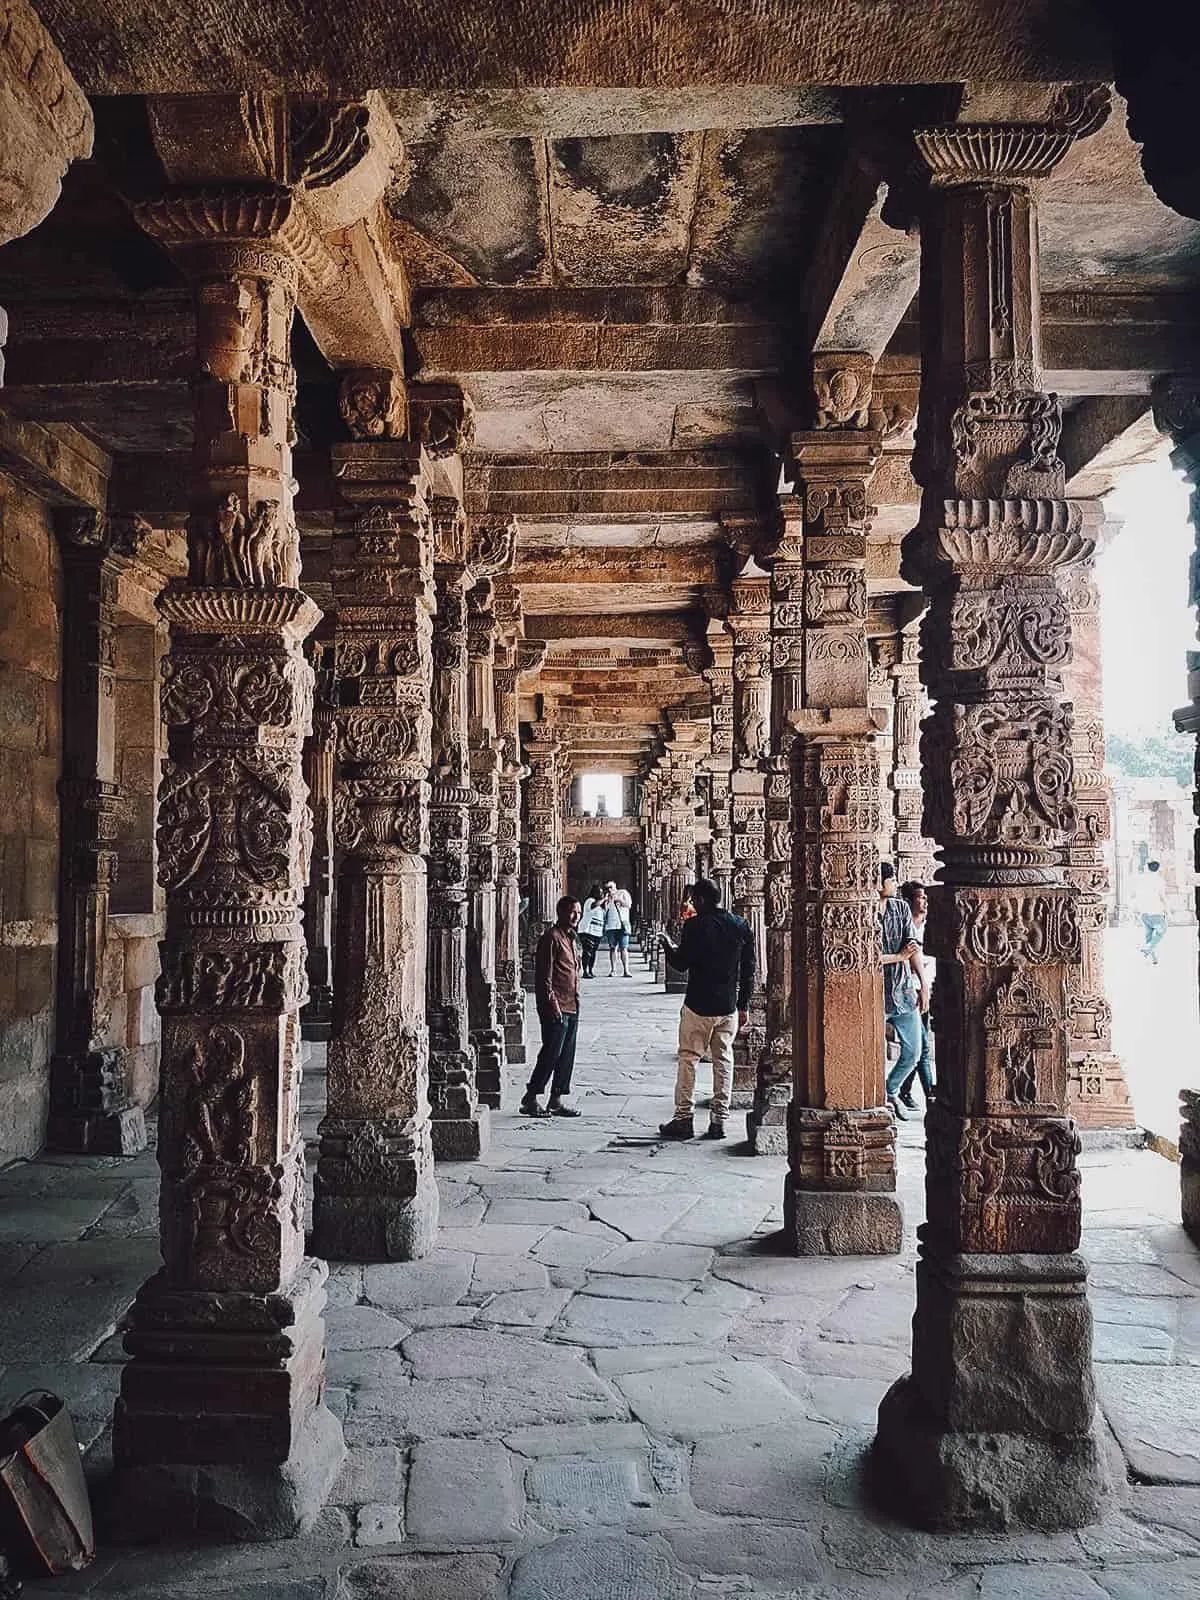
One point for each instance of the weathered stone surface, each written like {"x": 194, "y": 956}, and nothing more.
{"x": 494, "y": 1273}
{"x": 843, "y": 1224}
{"x": 365, "y": 1328}
{"x": 525, "y": 1308}
{"x": 377, "y": 1524}
{"x": 431, "y": 1409}
{"x": 590, "y": 1320}
{"x": 690, "y": 1402}
{"x": 370, "y": 1474}
{"x": 554, "y": 1213}
{"x": 766, "y": 1554}
{"x": 1153, "y": 1411}
{"x": 564, "y": 1248}
{"x": 776, "y": 1472}
{"x": 441, "y": 1279}
{"x": 417, "y": 1577}
{"x": 501, "y": 1240}
{"x": 682, "y": 1261}
{"x": 596, "y": 1438}
{"x": 571, "y": 1494}
{"x": 462, "y": 1491}
{"x": 612, "y": 1287}
{"x": 600, "y": 1569}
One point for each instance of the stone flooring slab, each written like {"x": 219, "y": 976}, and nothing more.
{"x": 686, "y": 1262}
{"x": 422, "y": 1577}
{"x": 577, "y": 1494}
{"x": 1155, "y": 1414}
{"x": 598, "y": 1568}
{"x": 462, "y": 1492}
{"x": 441, "y": 1279}
{"x": 689, "y": 1402}
{"x": 590, "y": 1320}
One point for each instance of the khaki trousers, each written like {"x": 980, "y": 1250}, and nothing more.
{"x": 698, "y": 1036}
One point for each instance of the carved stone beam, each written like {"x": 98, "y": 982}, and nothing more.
{"x": 337, "y": 158}
{"x": 46, "y": 119}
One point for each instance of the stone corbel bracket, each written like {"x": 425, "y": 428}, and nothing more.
{"x": 46, "y": 117}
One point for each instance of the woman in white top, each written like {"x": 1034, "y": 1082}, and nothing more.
{"x": 591, "y": 928}
{"x": 616, "y": 927}
{"x": 918, "y": 904}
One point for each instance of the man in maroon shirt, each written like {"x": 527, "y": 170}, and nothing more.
{"x": 556, "y": 990}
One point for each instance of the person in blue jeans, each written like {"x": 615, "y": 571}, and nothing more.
{"x": 901, "y": 988}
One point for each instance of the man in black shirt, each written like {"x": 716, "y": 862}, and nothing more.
{"x": 716, "y": 950}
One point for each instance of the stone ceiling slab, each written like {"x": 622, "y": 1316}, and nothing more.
{"x": 621, "y": 207}
{"x": 483, "y": 204}
{"x": 518, "y": 412}
{"x": 164, "y": 47}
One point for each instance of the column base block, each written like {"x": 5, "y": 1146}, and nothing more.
{"x": 822, "y": 1222}
{"x": 98, "y": 1133}
{"x": 766, "y": 1131}
{"x": 461, "y": 1138}
{"x": 488, "y": 1044}
{"x": 155, "y": 1503}
{"x": 90, "y": 1111}
{"x": 374, "y": 1194}
{"x": 994, "y": 1482}
{"x": 220, "y": 1430}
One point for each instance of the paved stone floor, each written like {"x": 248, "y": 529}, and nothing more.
{"x": 606, "y": 1385}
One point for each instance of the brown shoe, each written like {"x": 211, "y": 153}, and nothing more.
{"x": 716, "y": 1129}
{"x": 677, "y": 1128}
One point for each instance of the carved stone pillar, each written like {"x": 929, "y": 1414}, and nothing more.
{"x": 749, "y": 622}
{"x": 374, "y": 1193}
{"x": 521, "y": 657}
{"x": 910, "y": 850}
{"x": 838, "y": 1196}
{"x": 969, "y": 1440}
{"x": 319, "y": 761}
{"x": 766, "y": 1123}
{"x": 1097, "y": 1094}
{"x": 487, "y": 1037}
{"x": 90, "y": 1108}
{"x": 1177, "y": 413}
{"x": 543, "y": 828}
{"x": 220, "y": 1425}
{"x": 460, "y": 1125}
{"x": 719, "y": 677}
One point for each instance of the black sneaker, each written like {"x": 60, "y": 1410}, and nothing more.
{"x": 530, "y": 1108}
{"x": 898, "y": 1110}
{"x": 677, "y": 1128}
{"x": 716, "y": 1129}
{"x": 908, "y": 1102}
{"x": 557, "y": 1109}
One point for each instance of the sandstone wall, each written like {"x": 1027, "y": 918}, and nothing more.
{"x": 30, "y": 746}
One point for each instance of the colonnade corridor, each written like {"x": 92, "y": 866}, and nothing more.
{"x": 604, "y": 1383}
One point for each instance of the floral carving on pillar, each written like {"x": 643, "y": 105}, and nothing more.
{"x": 994, "y": 549}
{"x": 487, "y": 1036}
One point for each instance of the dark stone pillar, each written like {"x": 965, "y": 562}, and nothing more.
{"x": 90, "y": 1107}
{"x": 319, "y": 752}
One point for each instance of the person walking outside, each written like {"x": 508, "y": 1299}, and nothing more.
{"x": 617, "y": 903}
{"x": 716, "y": 950}
{"x": 556, "y": 991}
{"x": 1152, "y": 908}
{"x": 913, "y": 894}
{"x": 591, "y": 928}
{"x": 901, "y": 990}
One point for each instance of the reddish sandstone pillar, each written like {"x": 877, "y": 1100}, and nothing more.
{"x": 374, "y": 1192}
{"x": 995, "y": 1426}
{"x": 749, "y": 621}
{"x": 838, "y": 1196}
